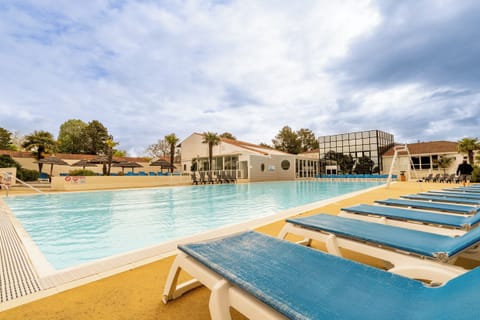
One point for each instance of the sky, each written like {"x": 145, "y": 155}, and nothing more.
{"x": 146, "y": 69}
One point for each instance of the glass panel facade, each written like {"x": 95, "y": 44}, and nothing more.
{"x": 372, "y": 144}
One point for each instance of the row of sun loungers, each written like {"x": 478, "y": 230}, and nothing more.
{"x": 448, "y": 178}
{"x": 208, "y": 177}
{"x": 270, "y": 278}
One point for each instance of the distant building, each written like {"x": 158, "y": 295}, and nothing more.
{"x": 424, "y": 157}
{"x": 357, "y": 145}
{"x": 245, "y": 160}
{"x": 307, "y": 164}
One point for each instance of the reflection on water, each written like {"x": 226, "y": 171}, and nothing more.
{"x": 71, "y": 228}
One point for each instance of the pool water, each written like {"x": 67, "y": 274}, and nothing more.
{"x": 72, "y": 228}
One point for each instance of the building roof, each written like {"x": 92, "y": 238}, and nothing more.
{"x": 316, "y": 151}
{"x": 428, "y": 148}
{"x": 68, "y": 156}
{"x": 264, "y": 150}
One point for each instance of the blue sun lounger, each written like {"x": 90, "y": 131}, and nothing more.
{"x": 451, "y": 194}
{"x": 267, "y": 278}
{"x": 464, "y": 189}
{"x": 412, "y": 253}
{"x": 426, "y": 205}
{"x": 450, "y": 220}
{"x": 472, "y": 202}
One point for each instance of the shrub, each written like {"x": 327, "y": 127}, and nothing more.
{"x": 7, "y": 162}
{"x": 27, "y": 175}
{"x": 476, "y": 174}
{"x": 81, "y": 172}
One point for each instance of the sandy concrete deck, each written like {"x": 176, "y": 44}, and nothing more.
{"x": 136, "y": 294}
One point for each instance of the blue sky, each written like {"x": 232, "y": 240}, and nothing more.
{"x": 149, "y": 68}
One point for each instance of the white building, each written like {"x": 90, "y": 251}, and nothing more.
{"x": 423, "y": 160}
{"x": 245, "y": 160}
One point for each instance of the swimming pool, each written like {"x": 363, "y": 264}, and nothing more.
{"x": 73, "y": 228}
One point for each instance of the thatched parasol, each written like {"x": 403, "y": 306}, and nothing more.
{"x": 52, "y": 161}
{"x": 83, "y": 163}
{"x": 163, "y": 164}
{"x": 127, "y": 164}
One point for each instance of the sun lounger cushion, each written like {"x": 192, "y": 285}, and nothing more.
{"x": 456, "y": 208}
{"x": 442, "y": 199}
{"x": 303, "y": 283}
{"x": 464, "y": 189}
{"x": 451, "y": 194}
{"x": 452, "y": 220}
{"x": 419, "y": 242}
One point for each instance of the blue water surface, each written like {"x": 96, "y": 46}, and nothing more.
{"x": 72, "y": 228}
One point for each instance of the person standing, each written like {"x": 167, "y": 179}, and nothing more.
{"x": 464, "y": 170}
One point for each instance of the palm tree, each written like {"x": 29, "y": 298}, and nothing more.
{"x": 444, "y": 163}
{"x": 212, "y": 139}
{"x": 468, "y": 146}
{"x": 109, "y": 145}
{"x": 39, "y": 142}
{"x": 172, "y": 140}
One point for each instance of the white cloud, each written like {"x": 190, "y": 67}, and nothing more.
{"x": 146, "y": 69}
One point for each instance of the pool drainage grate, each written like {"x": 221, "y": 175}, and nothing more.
{"x": 17, "y": 277}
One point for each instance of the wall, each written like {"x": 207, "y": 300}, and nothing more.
{"x": 273, "y": 169}
{"x": 193, "y": 146}
{"x": 104, "y": 182}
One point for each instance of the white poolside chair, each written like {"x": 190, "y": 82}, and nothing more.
{"x": 411, "y": 253}
{"x": 422, "y": 220}
{"x": 268, "y": 278}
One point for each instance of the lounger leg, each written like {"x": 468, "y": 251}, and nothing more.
{"x": 172, "y": 290}
{"x": 224, "y": 296}
{"x": 286, "y": 230}
{"x": 219, "y": 302}
{"x": 332, "y": 245}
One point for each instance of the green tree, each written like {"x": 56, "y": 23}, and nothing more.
{"x": 345, "y": 162}
{"x": 364, "y": 165}
{"x": 94, "y": 136}
{"x": 468, "y": 146}
{"x": 445, "y": 163}
{"x": 119, "y": 153}
{"x": 7, "y": 162}
{"x": 70, "y": 136}
{"x": 308, "y": 141}
{"x": 263, "y": 144}
{"x": 287, "y": 141}
{"x": 39, "y": 143}
{"x": 212, "y": 139}
{"x": 5, "y": 139}
{"x": 228, "y": 135}
{"x": 172, "y": 141}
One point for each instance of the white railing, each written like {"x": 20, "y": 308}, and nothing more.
{"x": 8, "y": 177}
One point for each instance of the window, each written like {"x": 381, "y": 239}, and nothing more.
{"x": 262, "y": 167}
{"x": 425, "y": 162}
{"x": 435, "y": 161}
{"x": 285, "y": 164}
{"x": 416, "y": 163}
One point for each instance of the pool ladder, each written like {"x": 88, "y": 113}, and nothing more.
{"x": 7, "y": 177}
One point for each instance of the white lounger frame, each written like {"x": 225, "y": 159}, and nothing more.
{"x": 402, "y": 262}
{"x": 472, "y": 253}
{"x": 223, "y": 294}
